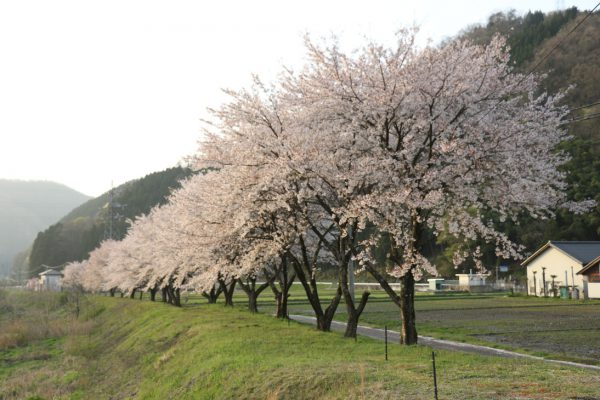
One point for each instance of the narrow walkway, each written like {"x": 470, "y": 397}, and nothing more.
{"x": 394, "y": 337}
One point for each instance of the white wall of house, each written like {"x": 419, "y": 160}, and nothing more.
{"x": 468, "y": 280}
{"x": 556, "y": 263}
{"x": 50, "y": 282}
{"x": 594, "y": 290}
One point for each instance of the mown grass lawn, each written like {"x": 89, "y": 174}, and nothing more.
{"x": 122, "y": 348}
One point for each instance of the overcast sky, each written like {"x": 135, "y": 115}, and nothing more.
{"x": 94, "y": 92}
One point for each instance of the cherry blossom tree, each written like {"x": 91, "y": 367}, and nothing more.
{"x": 255, "y": 136}
{"x": 434, "y": 140}
{"x": 73, "y": 274}
{"x": 95, "y": 273}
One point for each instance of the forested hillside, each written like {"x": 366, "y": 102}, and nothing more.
{"x": 26, "y": 207}
{"x": 573, "y": 66}
{"x": 82, "y": 229}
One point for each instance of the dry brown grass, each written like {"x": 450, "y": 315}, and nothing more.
{"x": 32, "y": 382}
{"x": 21, "y": 332}
{"x": 27, "y": 317}
{"x": 28, "y": 320}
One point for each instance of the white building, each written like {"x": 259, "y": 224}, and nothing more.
{"x": 559, "y": 262}
{"x": 465, "y": 281}
{"x": 591, "y": 279}
{"x": 50, "y": 279}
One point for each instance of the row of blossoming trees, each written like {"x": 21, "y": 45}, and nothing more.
{"x": 356, "y": 149}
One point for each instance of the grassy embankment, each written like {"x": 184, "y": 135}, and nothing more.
{"x": 122, "y": 348}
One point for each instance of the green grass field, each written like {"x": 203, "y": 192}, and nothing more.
{"x": 123, "y": 348}
{"x": 556, "y": 328}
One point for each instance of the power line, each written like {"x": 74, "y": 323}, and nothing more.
{"x": 561, "y": 41}
{"x": 591, "y": 116}
{"x": 584, "y": 106}
{"x": 544, "y": 58}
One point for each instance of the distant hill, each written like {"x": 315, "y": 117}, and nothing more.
{"x": 26, "y": 207}
{"x": 80, "y": 230}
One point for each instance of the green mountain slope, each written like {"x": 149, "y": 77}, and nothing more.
{"x": 26, "y": 207}
{"x": 82, "y": 229}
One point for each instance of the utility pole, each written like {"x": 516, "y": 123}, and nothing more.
{"x": 112, "y": 213}
{"x": 351, "y": 266}
{"x": 544, "y": 281}
{"x": 534, "y": 284}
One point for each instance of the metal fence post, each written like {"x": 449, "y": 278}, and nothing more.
{"x": 386, "y": 351}
{"x": 435, "y": 388}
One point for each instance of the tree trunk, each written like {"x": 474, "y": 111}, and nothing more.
{"x": 164, "y": 295}
{"x": 352, "y": 311}
{"x": 174, "y": 296}
{"x": 278, "y": 302}
{"x": 253, "y": 292}
{"x": 141, "y": 294}
{"x": 282, "y": 293}
{"x": 408, "y": 333}
{"x": 252, "y": 303}
{"x": 324, "y": 318}
{"x": 354, "y": 315}
{"x": 132, "y": 294}
{"x": 282, "y": 303}
{"x": 177, "y": 293}
{"x": 285, "y": 283}
{"x": 213, "y": 294}
{"x": 153, "y": 294}
{"x": 228, "y": 291}
{"x": 112, "y": 292}
{"x": 406, "y": 300}
{"x": 344, "y": 256}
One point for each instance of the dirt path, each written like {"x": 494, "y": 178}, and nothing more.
{"x": 394, "y": 337}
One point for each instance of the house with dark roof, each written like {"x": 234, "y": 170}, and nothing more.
{"x": 50, "y": 279}
{"x": 558, "y": 263}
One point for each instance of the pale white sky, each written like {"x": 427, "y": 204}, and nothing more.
{"x": 99, "y": 91}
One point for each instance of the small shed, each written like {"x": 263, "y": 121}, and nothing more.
{"x": 465, "y": 281}
{"x": 435, "y": 284}
{"x": 50, "y": 279}
{"x": 591, "y": 279}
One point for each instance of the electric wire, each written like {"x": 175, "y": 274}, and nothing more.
{"x": 561, "y": 41}
{"x": 545, "y": 57}
{"x": 584, "y": 118}
{"x": 584, "y": 106}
